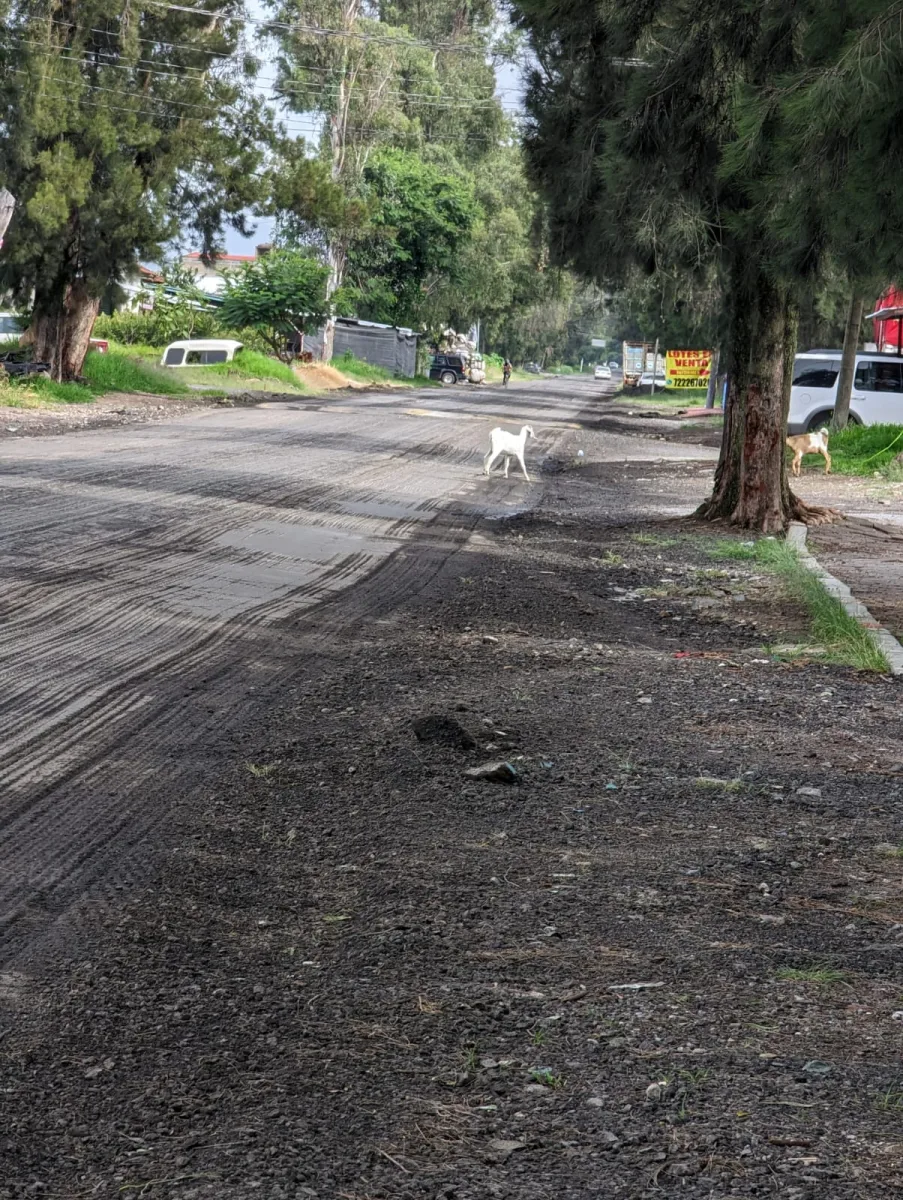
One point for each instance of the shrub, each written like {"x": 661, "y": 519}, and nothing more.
{"x": 163, "y": 324}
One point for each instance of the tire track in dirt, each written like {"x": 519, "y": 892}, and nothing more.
{"x": 152, "y": 593}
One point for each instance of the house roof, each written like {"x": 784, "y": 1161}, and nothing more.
{"x": 148, "y": 275}
{"x": 195, "y": 255}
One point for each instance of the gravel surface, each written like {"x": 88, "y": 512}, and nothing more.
{"x": 662, "y": 961}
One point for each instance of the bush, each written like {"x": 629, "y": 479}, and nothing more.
{"x": 164, "y": 324}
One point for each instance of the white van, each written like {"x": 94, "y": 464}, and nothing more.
{"x": 877, "y": 397}
{"x": 199, "y": 352}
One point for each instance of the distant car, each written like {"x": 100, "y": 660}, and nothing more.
{"x": 646, "y": 380}
{"x": 602, "y": 371}
{"x": 199, "y": 352}
{"x": 448, "y": 368}
{"x": 615, "y": 366}
{"x": 533, "y": 368}
{"x": 10, "y": 326}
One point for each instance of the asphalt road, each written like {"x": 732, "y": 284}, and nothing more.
{"x": 158, "y": 581}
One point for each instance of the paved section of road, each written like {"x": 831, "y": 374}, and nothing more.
{"x": 155, "y": 581}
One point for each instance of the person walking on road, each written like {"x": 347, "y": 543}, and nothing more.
{"x": 506, "y": 372}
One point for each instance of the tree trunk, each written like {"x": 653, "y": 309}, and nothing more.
{"x": 848, "y": 363}
{"x": 726, "y": 490}
{"x": 762, "y": 469}
{"x": 61, "y": 329}
{"x": 751, "y": 487}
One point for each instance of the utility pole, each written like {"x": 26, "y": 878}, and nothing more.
{"x": 7, "y": 204}
{"x": 654, "y": 368}
{"x": 337, "y": 250}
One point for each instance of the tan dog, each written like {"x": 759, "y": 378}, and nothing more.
{"x": 809, "y": 443}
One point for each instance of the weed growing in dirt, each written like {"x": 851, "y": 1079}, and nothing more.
{"x": 652, "y": 539}
{"x": 820, "y": 974}
{"x": 890, "y": 1100}
{"x": 696, "y": 1078}
{"x": 547, "y": 1078}
{"x": 891, "y": 851}
{"x": 538, "y": 1037}
{"x": 609, "y": 559}
{"x": 725, "y": 785}
{"x": 261, "y": 770}
{"x": 845, "y": 641}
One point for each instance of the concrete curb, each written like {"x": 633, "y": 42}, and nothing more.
{"x": 883, "y": 638}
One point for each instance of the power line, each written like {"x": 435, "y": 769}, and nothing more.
{"x": 424, "y": 99}
{"x": 320, "y": 31}
{"x": 212, "y": 113}
{"x": 149, "y": 66}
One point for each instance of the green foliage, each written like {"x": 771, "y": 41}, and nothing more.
{"x": 165, "y": 323}
{"x": 279, "y": 295}
{"x": 119, "y": 372}
{"x": 51, "y": 391}
{"x": 251, "y": 364}
{"x": 422, "y": 217}
{"x": 844, "y": 639}
{"x": 355, "y": 368}
{"x": 122, "y": 125}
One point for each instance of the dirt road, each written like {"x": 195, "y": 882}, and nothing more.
{"x": 663, "y": 961}
{"x": 154, "y": 581}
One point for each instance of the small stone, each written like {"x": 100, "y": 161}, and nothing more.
{"x": 595, "y": 1102}
{"x": 809, "y": 791}
{"x": 497, "y": 772}
{"x": 815, "y": 1067}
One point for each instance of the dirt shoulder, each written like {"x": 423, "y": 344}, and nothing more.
{"x": 664, "y": 959}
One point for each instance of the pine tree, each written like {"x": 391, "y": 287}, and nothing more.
{"x": 126, "y": 122}
{"x": 639, "y": 140}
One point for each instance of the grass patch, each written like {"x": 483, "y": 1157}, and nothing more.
{"x": 117, "y": 371}
{"x": 547, "y": 1078}
{"x": 845, "y": 641}
{"x": 861, "y": 450}
{"x": 39, "y": 389}
{"x": 890, "y": 1100}
{"x": 355, "y": 368}
{"x": 251, "y": 364}
{"x": 652, "y": 539}
{"x": 818, "y": 974}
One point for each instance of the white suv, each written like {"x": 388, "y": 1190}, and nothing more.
{"x": 877, "y": 397}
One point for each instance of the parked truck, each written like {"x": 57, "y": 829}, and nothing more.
{"x": 635, "y": 361}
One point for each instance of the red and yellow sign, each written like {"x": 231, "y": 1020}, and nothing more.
{"x": 688, "y": 368}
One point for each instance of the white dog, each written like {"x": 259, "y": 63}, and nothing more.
{"x": 511, "y": 445}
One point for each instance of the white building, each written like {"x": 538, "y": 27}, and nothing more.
{"x": 210, "y": 276}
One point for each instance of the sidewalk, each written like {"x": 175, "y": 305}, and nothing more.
{"x": 663, "y": 962}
